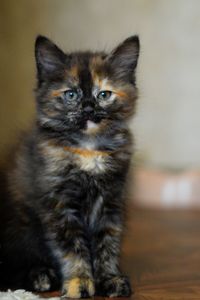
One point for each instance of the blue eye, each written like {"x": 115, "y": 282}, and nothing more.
{"x": 104, "y": 95}
{"x": 71, "y": 95}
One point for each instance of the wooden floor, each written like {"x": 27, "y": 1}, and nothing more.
{"x": 161, "y": 254}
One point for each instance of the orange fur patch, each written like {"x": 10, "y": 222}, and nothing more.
{"x": 121, "y": 94}
{"x": 86, "y": 152}
{"x": 95, "y": 62}
{"x": 75, "y": 285}
{"x": 56, "y": 93}
{"x": 97, "y": 81}
{"x": 74, "y": 72}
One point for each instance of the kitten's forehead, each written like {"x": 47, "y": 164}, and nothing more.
{"x": 88, "y": 69}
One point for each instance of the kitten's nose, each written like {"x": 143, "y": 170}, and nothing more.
{"x": 87, "y": 107}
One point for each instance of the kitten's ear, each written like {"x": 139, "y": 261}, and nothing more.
{"x": 49, "y": 58}
{"x": 124, "y": 58}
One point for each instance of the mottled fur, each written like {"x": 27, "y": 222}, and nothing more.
{"x": 61, "y": 217}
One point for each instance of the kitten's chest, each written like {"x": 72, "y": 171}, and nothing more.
{"x": 86, "y": 158}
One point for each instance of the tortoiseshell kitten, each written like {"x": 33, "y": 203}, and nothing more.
{"x": 61, "y": 226}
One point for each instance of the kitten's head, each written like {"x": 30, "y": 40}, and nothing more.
{"x": 85, "y": 91}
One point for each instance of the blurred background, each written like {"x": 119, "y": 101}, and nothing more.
{"x": 167, "y": 123}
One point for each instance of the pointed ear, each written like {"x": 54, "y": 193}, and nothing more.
{"x": 49, "y": 58}
{"x": 124, "y": 58}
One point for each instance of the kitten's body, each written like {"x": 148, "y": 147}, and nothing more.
{"x": 61, "y": 224}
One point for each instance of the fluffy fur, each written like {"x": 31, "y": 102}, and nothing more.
{"x": 21, "y": 295}
{"x": 62, "y": 209}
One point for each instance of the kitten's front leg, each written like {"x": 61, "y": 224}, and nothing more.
{"x": 106, "y": 244}
{"x": 78, "y": 279}
{"x": 76, "y": 260}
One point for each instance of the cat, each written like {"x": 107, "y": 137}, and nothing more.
{"x": 62, "y": 219}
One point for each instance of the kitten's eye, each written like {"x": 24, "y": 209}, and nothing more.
{"x": 104, "y": 95}
{"x": 71, "y": 95}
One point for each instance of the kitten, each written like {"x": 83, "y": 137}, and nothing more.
{"x": 61, "y": 225}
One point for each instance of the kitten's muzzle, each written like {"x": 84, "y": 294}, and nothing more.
{"x": 90, "y": 113}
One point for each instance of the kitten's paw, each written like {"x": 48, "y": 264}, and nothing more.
{"x": 78, "y": 287}
{"x": 118, "y": 286}
{"x": 43, "y": 280}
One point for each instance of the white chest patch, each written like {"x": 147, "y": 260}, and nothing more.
{"x": 91, "y": 160}
{"x": 87, "y": 158}
{"x": 93, "y": 163}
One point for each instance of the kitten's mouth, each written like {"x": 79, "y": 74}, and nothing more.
{"x": 91, "y": 125}
{"x": 91, "y": 121}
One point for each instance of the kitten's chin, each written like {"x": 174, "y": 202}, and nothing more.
{"x": 91, "y": 127}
